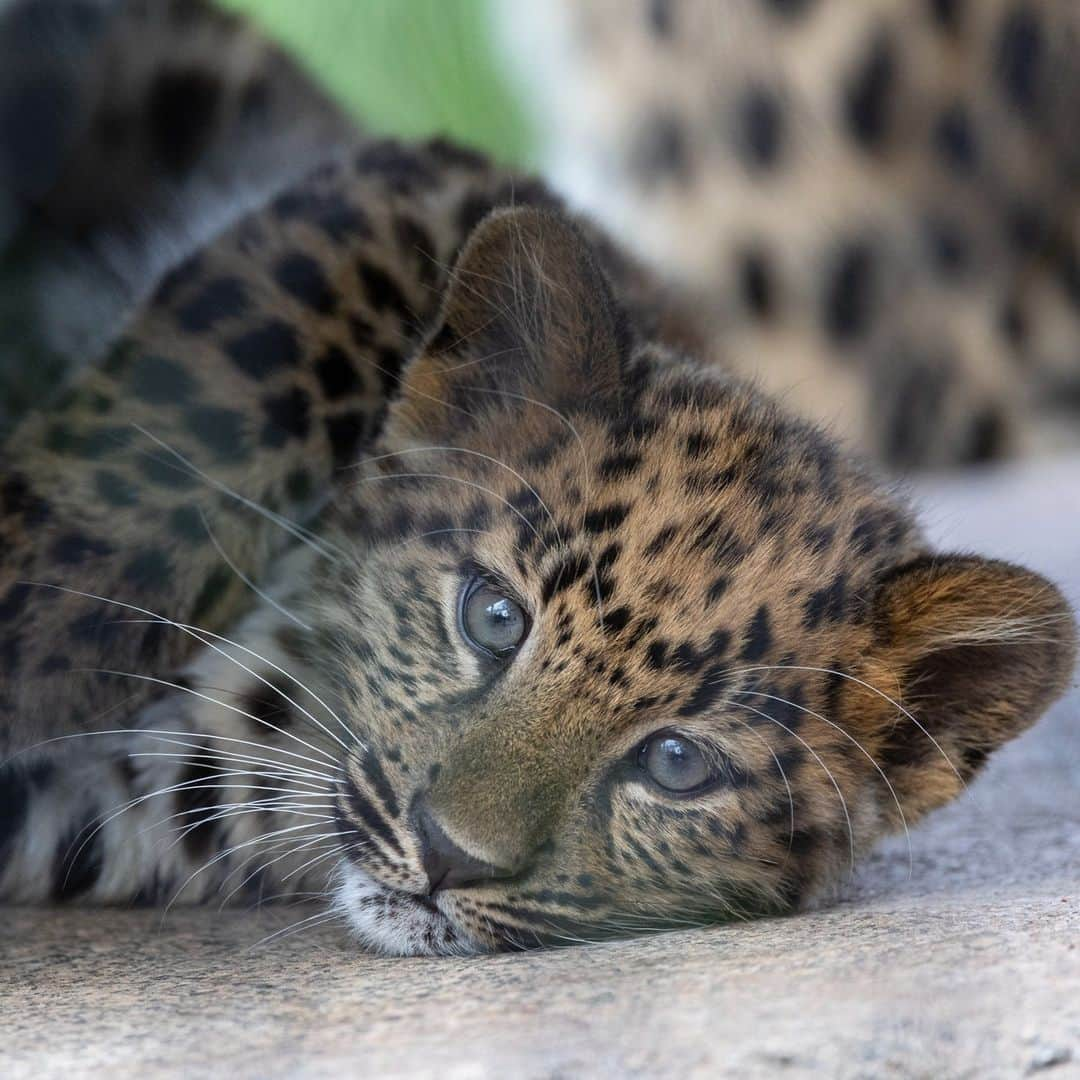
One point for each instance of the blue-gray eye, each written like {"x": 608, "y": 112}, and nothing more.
{"x": 675, "y": 763}
{"x": 491, "y": 621}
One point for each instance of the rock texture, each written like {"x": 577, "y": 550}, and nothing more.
{"x": 961, "y": 959}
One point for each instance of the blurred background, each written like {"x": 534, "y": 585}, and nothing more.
{"x": 404, "y": 67}
{"x": 407, "y": 67}
{"x": 872, "y": 201}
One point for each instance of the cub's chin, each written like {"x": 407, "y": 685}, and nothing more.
{"x": 394, "y": 923}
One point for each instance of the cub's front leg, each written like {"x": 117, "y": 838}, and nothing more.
{"x": 223, "y": 791}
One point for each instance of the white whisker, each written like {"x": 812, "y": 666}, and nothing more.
{"x": 866, "y": 753}
{"x": 827, "y": 770}
{"x": 212, "y": 701}
{"x": 457, "y": 480}
{"x": 304, "y": 924}
{"x": 197, "y": 633}
{"x": 293, "y": 849}
{"x": 317, "y": 859}
{"x": 265, "y": 596}
{"x": 472, "y": 453}
{"x": 305, "y": 536}
{"x": 874, "y": 690}
{"x": 286, "y": 771}
{"x": 232, "y": 850}
{"x": 787, "y": 783}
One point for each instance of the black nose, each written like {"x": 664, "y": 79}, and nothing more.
{"x": 447, "y": 866}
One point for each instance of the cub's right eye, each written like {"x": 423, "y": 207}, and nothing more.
{"x": 492, "y": 623}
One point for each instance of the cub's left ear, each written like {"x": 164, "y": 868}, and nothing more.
{"x": 528, "y": 313}
{"x": 977, "y": 650}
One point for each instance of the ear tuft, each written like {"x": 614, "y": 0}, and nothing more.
{"x": 528, "y": 313}
{"x": 979, "y": 649}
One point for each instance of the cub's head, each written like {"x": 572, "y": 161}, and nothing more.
{"x": 626, "y": 647}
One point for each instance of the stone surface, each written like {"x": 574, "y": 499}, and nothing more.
{"x": 958, "y": 959}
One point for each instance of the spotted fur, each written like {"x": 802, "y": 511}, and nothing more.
{"x": 235, "y": 551}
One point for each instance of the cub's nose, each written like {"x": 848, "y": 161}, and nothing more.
{"x": 446, "y": 865}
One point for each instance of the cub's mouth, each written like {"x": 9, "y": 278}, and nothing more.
{"x": 396, "y": 923}
{"x": 411, "y": 891}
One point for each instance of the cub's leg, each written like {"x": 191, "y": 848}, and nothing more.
{"x": 224, "y": 790}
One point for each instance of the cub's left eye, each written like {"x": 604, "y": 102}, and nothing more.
{"x": 674, "y": 762}
{"x": 491, "y": 622}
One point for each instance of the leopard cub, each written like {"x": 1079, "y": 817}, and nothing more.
{"x": 403, "y": 552}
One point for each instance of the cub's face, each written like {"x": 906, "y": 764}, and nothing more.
{"x": 625, "y": 648}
